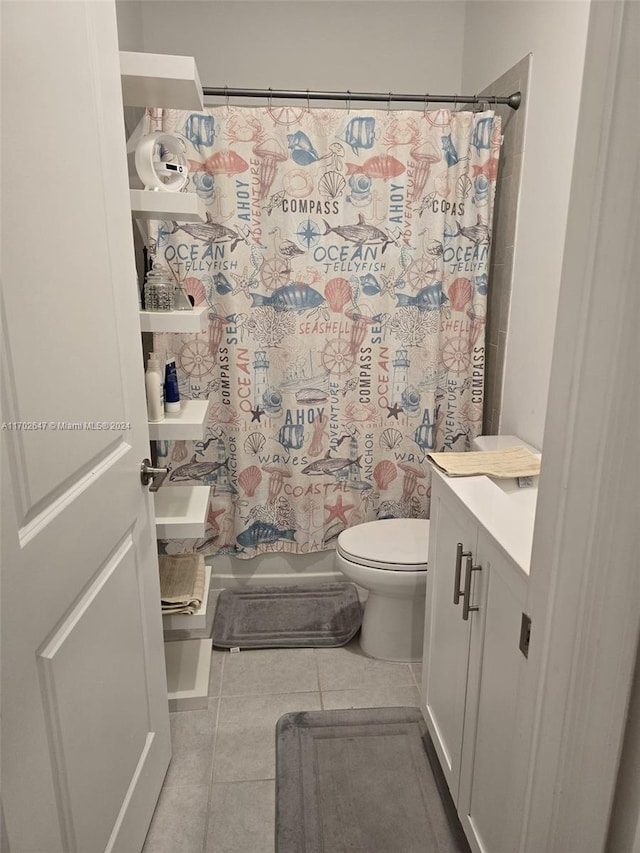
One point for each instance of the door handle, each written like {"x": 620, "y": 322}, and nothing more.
{"x": 457, "y": 592}
{"x": 466, "y": 608}
{"x": 149, "y": 474}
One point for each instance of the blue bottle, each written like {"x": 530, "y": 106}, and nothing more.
{"x": 171, "y": 390}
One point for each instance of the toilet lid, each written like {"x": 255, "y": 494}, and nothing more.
{"x": 393, "y": 543}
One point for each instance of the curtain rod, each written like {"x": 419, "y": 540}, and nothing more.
{"x": 512, "y": 101}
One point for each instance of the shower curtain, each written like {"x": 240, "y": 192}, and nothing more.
{"x": 344, "y": 262}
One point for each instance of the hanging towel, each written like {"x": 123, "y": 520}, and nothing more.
{"x": 182, "y": 582}
{"x": 511, "y": 462}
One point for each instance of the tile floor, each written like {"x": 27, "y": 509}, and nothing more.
{"x": 219, "y": 792}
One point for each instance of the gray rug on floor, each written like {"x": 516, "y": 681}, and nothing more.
{"x": 361, "y": 781}
{"x": 287, "y": 617}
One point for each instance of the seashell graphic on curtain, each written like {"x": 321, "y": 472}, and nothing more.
{"x": 344, "y": 263}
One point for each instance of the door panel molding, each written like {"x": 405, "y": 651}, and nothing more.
{"x": 79, "y": 681}
{"x": 37, "y": 518}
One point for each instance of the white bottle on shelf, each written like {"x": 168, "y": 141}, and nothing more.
{"x": 154, "y": 384}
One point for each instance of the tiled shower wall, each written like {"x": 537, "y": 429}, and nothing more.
{"x": 504, "y": 236}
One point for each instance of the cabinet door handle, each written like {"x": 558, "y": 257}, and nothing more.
{"x": 457, "y": 592}
{"x": 466, "y": 608}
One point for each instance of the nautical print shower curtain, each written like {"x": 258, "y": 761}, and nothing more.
{"x": 344, "y": 262}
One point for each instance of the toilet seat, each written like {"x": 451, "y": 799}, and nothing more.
{"x": 393, "y": 544}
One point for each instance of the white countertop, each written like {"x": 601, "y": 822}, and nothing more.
{"x": 504, "y": 510}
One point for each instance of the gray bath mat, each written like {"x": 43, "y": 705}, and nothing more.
{"x": 361, "y": 781}
{"x": 287, "y": 617}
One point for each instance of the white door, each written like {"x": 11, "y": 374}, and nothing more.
{"x": 447, "y": 635}
{"x": 85, "y": 731}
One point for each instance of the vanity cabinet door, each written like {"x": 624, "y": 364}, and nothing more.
{"x": 447, "y": 636}
{"x": 495, "y": 671}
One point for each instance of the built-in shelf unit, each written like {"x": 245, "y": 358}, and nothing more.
{"x": 188, "y": 663}
{"x": 187, "y": 424}
{"x": 157, "y": 80}
{"x": 154, "y": 80}
{"x": 175, "y": 321}
{"x": 175, "y": 207}
{"x": 181, "y": 512}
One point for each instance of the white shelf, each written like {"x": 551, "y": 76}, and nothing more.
{"x": 175, "y": 207}
{"x": 181, "y": 512}
{"x": 194, "y": 621}
{"x": 188, "y": 663}
{"x": 187, "y": 424}
{"x": 156, "y": 80}
{"x": 175, "y": 321}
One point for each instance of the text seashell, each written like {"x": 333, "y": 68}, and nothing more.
{"x": 390, "y": 438}
{"x": 250, "y": 479}
{"x": 460, "y": 293}
{"x": 463, "y": 186}
{"x": 254, "y": 442}
{"x": 194, "y": 287}
{"x": 337, "y": 293}
{"x": 384, "y": 473}
{"x": 332, "y": 184}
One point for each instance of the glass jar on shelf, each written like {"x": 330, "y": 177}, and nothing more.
{"x": 158, "y": 289}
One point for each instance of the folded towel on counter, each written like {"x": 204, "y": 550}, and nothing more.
{"x": 182, "y": 582}
{"x": 511, "y": 462}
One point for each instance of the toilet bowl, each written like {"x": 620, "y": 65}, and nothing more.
{"x": 389, "y": 559}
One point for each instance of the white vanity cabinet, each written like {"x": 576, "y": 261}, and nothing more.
{"x": 473, "y": 666}
{"x": 447, "y": 636}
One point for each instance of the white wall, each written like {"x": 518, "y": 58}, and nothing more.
{"x": 497, "y": 35}
{"x": 373, "y": 46}
{"x": 130, "y": 37}
{"x": 129, "y": 14}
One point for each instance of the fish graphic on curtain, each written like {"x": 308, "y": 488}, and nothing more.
{"x": 344, "y": 262}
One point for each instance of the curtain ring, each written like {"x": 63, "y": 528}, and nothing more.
{"x": 455, "y": 102}
{"x": 426, "y": 104}
{"x": 389, "y": 103}
{"x": 226, "y": 94}
{"x": 348, "y": 101}
{"x": 308, "y": 103}
{"x": 495, "y": 101}
{"x": 270, "y": 97}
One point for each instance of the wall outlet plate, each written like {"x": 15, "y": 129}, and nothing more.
{"x": 525, "y": 634}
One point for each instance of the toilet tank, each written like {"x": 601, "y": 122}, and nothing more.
{"x": 499, "y": 442}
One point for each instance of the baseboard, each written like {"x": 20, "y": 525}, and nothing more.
{"x": 274, "y": 569}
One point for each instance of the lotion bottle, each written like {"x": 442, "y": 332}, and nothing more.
{"x": 153, "y": 381}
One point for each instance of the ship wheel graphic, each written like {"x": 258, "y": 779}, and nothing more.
{"x": 196, "y": 360}
{"x": 456, "y": 356}
{"x": 274, "y": 273}
{"x": 337, "y": 357}
{"x": 286, "y": 115}
{"x": 421, "y": 272}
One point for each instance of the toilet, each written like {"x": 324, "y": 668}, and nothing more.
{"x": 388, "y": 558}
